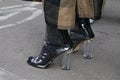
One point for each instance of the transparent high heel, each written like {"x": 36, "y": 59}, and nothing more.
{"x": 87, "y": 53}
{"x": 88, "y": 49}
{"x": 66, "y": 60}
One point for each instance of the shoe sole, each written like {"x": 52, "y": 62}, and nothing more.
{"x": 79, "y": 45}
{"x": 74, "y": 50}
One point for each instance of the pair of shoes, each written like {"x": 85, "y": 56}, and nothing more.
{"x": 58, "y": 42}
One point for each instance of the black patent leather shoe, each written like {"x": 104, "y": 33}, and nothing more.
{"x": 46, "y": 57}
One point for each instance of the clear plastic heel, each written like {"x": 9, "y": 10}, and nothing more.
{"x": 88, "y": 49}
{"x": 66, "y": 60}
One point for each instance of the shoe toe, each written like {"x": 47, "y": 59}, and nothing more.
{"x": 29, "y": 61}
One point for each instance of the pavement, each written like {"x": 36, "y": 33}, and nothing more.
{"x": 22, "y": 30}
